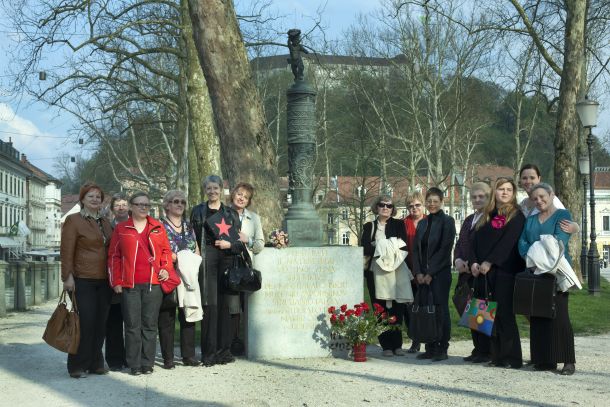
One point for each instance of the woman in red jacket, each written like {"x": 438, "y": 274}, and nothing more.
{"x": 139, "y": 258}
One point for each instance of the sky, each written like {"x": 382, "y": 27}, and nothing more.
{"x": 42, "y": 133}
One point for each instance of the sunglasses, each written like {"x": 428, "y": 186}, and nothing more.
{"x": 142, "y": 205}
{"x": 414, "y": 206}
{"x": 385, "y": 205}
{"x": 179, "y": 202}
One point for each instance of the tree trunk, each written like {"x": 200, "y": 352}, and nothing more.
{"x": 201, "y": 118}
{"x": 566, "y": 175}
{"x": 245, "y": 143}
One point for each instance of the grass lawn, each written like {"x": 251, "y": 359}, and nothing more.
{"x": 589, "y": 315}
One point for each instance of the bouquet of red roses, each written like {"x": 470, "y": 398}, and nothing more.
{"x": 360, "y": 324}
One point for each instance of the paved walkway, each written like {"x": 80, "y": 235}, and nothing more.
{"x": 33, "y": 374}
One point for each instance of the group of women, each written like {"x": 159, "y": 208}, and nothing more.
{"x": 117, "y": 268}
{"x": 489, "y": 252}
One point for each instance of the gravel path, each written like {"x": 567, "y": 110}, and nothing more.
{"x": 34, "y": 374}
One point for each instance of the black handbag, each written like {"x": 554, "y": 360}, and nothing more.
{"x": 241, "y": 277}
{"x": 170, "y": 300}
{"x": 424, "y": 321}
{"x": 534, "y": 294}
{"x": 462, "y": 294}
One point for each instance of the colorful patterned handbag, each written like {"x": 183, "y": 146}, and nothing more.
{"x": 480, "y": 314}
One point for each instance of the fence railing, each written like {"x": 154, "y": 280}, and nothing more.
{"x": 28, "y": 283}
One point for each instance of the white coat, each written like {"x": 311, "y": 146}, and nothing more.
{"x": 392, "y": 276}
{"x": 547, "y": 255}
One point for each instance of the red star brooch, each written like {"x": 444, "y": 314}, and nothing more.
{"x": 223, "y": 228}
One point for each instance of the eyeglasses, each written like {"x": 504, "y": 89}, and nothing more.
{"x": 385, "y": 205}
{"x": 414, "y": 206}
{"x": 179, "y": 202}
{"x": 141, "y": 205}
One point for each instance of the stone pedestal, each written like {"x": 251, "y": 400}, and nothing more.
{"x": 288, "y": 317}
{"x": 20, "y": 300}
{"x": 52, "y": 279}
{"x": 35, "y": 269}
{"x": 3, "y": 268}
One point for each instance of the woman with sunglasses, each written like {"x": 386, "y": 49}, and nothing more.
{"x": 415, "y": 206}
{"x": 495, "y": 256}
{"x": 432, "y": 266}
{"x": 138, "y": 259}
{"x": 384, "y": 226}
{"x": 181, "y": 237}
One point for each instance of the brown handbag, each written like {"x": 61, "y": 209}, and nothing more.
{"x": 63, "y": 328}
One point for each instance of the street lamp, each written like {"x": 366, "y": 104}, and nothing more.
{"x": 587, "y": 112}
{"x": 460, "y": 178}
{"x": 583, "y": 167}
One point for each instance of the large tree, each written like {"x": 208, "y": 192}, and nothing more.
{"x": 245, "y": 143}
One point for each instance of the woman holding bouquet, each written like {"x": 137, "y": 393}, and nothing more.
{"x": 495, "y": 255}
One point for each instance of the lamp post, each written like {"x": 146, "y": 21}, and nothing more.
{"x": 583, "y": 166}
{"x": 460, "y": 178}
{"x": 587, "y": 112}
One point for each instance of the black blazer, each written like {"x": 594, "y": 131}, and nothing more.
{"x": 198, "y": 216}
{"x": 393, "y": 228}
{"x": 440, "y": 243}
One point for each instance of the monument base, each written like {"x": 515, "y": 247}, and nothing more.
{"x": 304, "y": 232}
{"x": 288, "y": 317}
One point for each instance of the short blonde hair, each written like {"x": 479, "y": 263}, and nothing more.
{"x": 415, "y": 196}
{"x": 481, "y": 186}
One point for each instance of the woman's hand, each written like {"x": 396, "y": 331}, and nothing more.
{"x": 485, "y": 267}
{"x": 569, "y": 226}
{"x": 420, "y": 278}
{"x": 461, "y": 266}
{"x": 244, "y": 237}
{"x": 163, "y": 275}
{"x": 475, "y": 269}
{"x": 427, "y": 279}
{"x": 174, "y": 257}
{"x": 118, "y": 289}
{"x": 222, "y": 244}
{"x": 69, "y": 283}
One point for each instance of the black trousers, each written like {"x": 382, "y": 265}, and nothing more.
{"x": 167, "y": 323}
{"x": 440, "y": 286}
{"x": 505, "y": 340}
{"x": 115, "y": 343}
{"x": 141, "y": 312}
{"x": 408, "y": 310}
{"x": 93, "y": 301}
{"x": 216, "y": 331}
{"x": 389, "y": 340}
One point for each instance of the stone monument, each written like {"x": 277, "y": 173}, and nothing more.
{"x": 288, "y": 317}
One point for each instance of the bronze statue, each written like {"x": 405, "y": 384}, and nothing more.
{"x": 295, "y": 60}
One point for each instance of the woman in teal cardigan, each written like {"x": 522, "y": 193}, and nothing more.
{"x": 551, "y": 340}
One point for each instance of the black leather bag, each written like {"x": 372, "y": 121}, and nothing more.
{"x": 424, "y": 318}
{"x": 534, "y": 294}
{"x": 462, "y": 294}
{"x": 242, "y": 277}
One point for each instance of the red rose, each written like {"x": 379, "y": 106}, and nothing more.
{"x": 342, "y": 318}
{"x": 359, "y": 312}
{"x": 392, "y": 319}
{"x": 333, "y": 318}
{"x": 356, "y": 306}
{"x": 365, "y": 306}
{"x": 349, "y": 313}
{"x": 384, "y": 315}
{"x": 498, "y": 222}
{"x": 343, "y": 308}
{"x": 331, "y": 310}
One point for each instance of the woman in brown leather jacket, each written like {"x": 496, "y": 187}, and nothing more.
{"x": 84, "y": 241}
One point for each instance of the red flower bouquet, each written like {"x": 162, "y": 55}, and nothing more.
{"x": 359, "y": 324}
{"x": 498, "y": 222}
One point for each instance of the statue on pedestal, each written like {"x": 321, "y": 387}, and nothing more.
{"x": 295, "y": 48}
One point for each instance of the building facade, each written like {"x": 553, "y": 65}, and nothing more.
{"x": 13, "y": 178}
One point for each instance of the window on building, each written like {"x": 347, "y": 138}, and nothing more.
{"x": 1, "y": 217}
{"x": 361, "y": 191}
{"x": 403, "y": 213}
{"x": 344, "y": 214}
{"x": 331, "y": 218}
{"x": 606, "y": 223}
{"x": 1, "y": 181}
{"x": 319, "y": 197}
{"x": 345, "y": 238}
{"x": 331, "y": 237}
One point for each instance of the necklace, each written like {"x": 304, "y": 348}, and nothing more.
{"x": 173, "y": 224}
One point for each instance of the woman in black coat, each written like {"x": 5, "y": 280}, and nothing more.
{"x": 432, "y": 266}
{"x": 495, "y": 255}
{"x": 384, "y": 226}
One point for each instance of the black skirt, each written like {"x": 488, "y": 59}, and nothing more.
{"x": 552, "y": 340}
